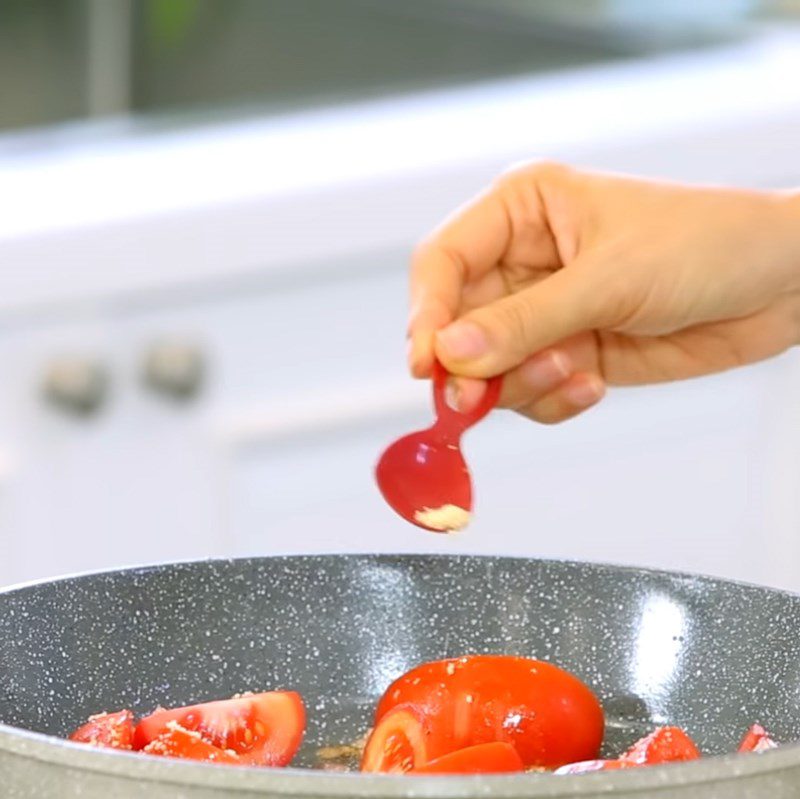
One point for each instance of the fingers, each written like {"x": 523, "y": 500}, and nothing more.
{"x": 576, "y": 395}
{"x": 500, "y": 336}
{"x": 463, "y": 249}
{"x": 538, "y": 375}
{"x": 545, "y": 388}
{"x": 535, "y": 378}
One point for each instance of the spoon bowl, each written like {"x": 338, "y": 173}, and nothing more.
{"x": 423, "y": 476}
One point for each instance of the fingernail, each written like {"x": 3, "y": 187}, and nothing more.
{"x": 415, "y": 351}
{"x": 463, "y": 394}
{"x": 452, "y": 394}
{"x": 547, "y": 370}
{"x": 470, "y": 393}
{"x": 462, "y": 341}
{"x": 586, "y": 392}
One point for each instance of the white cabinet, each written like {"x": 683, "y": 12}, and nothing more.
{"x": 150, "y": 477}
{"x": 306, "y": 384}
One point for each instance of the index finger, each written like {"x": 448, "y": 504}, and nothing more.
{"x": 464, "y": 248}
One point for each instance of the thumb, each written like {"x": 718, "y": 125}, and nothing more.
{"x": 497, "y": 337}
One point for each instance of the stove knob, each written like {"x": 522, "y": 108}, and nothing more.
{"x": 174, "y": 369}
{"x": 76, "y": 384}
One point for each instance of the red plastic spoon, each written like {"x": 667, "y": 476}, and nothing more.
{"x": 424, "y": 476}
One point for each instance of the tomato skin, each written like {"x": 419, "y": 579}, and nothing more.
{"x": 263, "y": 729}
{"x": 187, "y": 745}
{"x": 547, "y": 714}
{"x": 663, "y": 745}
{"x": 107, "y": 730}
{"x": 493, "y": 758}
{"x": 400, "y": 742}
{"x": 757, "y": 739}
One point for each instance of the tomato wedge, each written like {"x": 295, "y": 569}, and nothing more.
{"x": 108, "y": 730}
{"x": 589, "y": 766}
{"x": 548, "y": 715}
{"x": 663, "y": 745}
{"x": 181, "y": 743}
{"x": 262, "y": 729}
{"x": 493, "y": 758}
{"x": 757, "y": 739}
{"x": 399, "y": 743}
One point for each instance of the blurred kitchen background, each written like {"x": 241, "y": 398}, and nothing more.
{"x": 206, "y": 212}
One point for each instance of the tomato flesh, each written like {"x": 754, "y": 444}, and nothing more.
{"x": 107, "y": 730}
{"x": 757, "y": 739}
{"x": 399, "y": 743}
{"x": 493, "y": 758}
{"x": 663, "y": 745}
{"x": 262, "y": 729}
{"x": 548, "y": 715}
{"x": 187, "y": 745}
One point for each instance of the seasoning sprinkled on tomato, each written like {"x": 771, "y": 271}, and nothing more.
{"x": 262, "y": 729}
{"x": 175, "y": 741}
{"x": 107, "y": 730}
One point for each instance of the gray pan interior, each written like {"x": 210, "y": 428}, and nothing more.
{"x": 705, "y": 654}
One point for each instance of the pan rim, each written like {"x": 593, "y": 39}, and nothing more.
{"x": 152, "y": 566}
{"x": 39, "y": 747}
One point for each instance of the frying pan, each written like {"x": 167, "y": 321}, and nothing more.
{"x": 709, "y": 655}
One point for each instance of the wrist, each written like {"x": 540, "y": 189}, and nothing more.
{"x": 787, "y": 233}
{"x": 792, "y": 201}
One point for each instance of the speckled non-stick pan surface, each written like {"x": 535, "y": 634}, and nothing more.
{"x": 705, "y": 654}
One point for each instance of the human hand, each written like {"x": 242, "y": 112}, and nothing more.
{"x": 566, "y": 281}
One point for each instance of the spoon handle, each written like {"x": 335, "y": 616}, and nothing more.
{"x": 449, "y": 419}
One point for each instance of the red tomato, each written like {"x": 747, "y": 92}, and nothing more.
{"x": 263, "y": 729}
{"x": 547, "y": 714}
{"x": 494, "y": 758}
{"x": 110, "y": 730}
{"x": 589, "y": 766}
{"x": 757, "y": 739}
{"x": 400, "y": 742}
{"x": 663, "y": 745}
{"x": 178, "y": 742}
